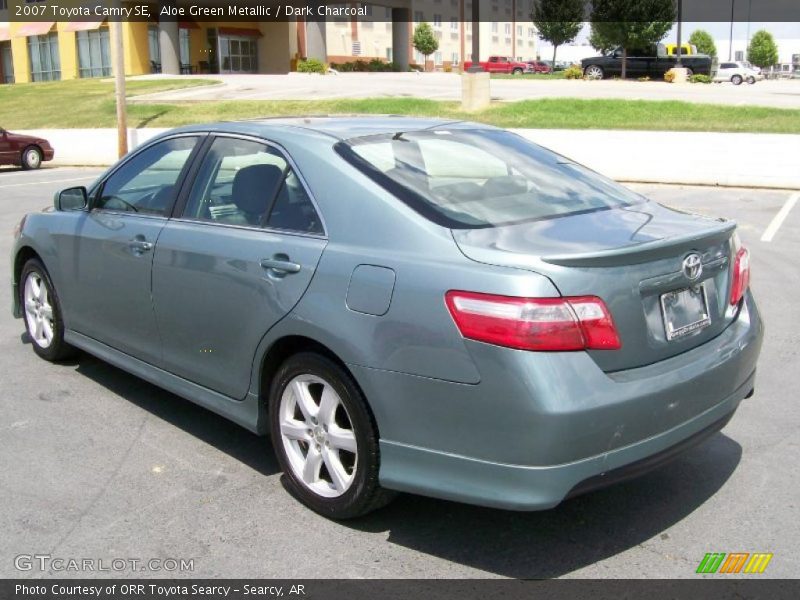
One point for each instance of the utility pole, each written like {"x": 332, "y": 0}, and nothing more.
{"x": 119, "y": 89}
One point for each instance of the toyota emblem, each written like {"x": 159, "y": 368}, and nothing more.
{"x": 693, "y": 266}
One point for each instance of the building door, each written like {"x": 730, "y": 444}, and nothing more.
{"x": 6, "y": 63}
{"x": 238, "y": 54}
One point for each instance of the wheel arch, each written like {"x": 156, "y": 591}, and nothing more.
{"x": 23, "y": 255}
{"x": 289, "y": 345}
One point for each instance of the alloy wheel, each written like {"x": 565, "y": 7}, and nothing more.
{"x": 318, "y": 436}
{"x": 32, "y": 158}
{"x": 594, "y": 72}
{"x": 38, "y": 310}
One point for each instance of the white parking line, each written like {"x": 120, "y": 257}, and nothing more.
{"x": 44, "y": 181}
{"x": 778, "y": 219}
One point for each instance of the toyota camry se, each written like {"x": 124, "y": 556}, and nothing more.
{"x": 412, "y": 305}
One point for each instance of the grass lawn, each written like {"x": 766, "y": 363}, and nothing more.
{"x": 90, "y": 103}
{"x": 74, "y": 103}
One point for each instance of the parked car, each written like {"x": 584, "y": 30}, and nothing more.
{"x": 25, "y": 151}
{"x": 648, "y": 62}
{"x": 436, "y": 307}
{"x": 537, "y": 66}
{"x": 501, "y": 64}
{"x": 736, "y": 73}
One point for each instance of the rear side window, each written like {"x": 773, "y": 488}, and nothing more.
{"x": 243, "y": 182}
{"x": 481, "y": 178}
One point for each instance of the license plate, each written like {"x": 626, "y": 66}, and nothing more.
{"x": 685, "y": 311}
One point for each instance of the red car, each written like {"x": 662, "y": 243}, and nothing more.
{"x": 536, "y": 66}
{"x": 500, "y": 64}
{"x": 25, "y": 151}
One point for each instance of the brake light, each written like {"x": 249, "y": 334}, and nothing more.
{"x": 741, "y": 275}
{"x": 541, "y": 324}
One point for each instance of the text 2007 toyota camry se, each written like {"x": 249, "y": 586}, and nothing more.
{"x": 436, "y": 307}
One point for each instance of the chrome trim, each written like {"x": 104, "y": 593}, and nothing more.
{"x": 317, "y": 236}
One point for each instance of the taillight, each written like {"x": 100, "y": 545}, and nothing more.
{"x": 554, "y": 324}
{"x": 741, "y": 275}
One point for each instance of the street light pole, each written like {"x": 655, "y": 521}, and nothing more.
{"x": 678, "y": 63}
{"x": 119, "y": 89}
{"x": 730, "y": 41}
{"x": 475, "y": 67}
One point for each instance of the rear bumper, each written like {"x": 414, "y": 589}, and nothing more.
{"x": 538, "y": 425}
{"x": 517, "y": 487}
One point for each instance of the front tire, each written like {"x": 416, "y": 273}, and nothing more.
{"x": 42, "y": 313}
{"x": 31, "y": 158}
{"x": 516, "y": 72}
{"x": 593, "y": 72}
{"x": 736, "y": 80}
{"x": 324, "y": 438}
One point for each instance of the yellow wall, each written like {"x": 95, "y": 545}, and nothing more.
{"x": 137, "y": 53}
{"x": 19, "y": 54}
{"x": 68, "y": 52}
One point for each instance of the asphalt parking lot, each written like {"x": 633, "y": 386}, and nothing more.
{"x": 99, "y": 464}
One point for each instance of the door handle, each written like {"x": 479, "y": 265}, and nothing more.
{"x": 139, "y": 245}
{"x": 280, "y": 264}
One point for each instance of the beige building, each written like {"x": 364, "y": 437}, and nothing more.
{"x": 506, "y": 30}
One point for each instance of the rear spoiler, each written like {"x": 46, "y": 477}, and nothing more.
{"x": 646, "y": 251}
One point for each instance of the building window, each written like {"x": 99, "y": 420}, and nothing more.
{"x": 531, "y": 32}
{"x": 418, "y": 16}
{"x": 154, "y": 47}
{"x": 356, "y": 48}
{"x": 739, "y": 55}
{"x": 7, "y": 62}
{"x": 389, "y": 54}
{"x": 185, "y": 54}
{"x": 94, "y": 56}
{"x": 45, "y": 63}
{"x": 438, "y": 58}
{"x": 508, "y": 28}
{"x": 437, "y": 20}
{"x": 239, "y": 54}
{"x": 388, "y": 14}
{"x": 453, "y": 24}
{"x": 3, "y": 4}
{"x": 494, "y": 27}
{"x": 519, "y": 30}
{"x": 454, "y": 58}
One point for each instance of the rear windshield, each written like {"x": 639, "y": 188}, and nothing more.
{"x": 466, "y": 179}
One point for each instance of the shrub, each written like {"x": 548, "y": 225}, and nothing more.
{"x": 669, "y": 76}
{"x": 573, "y": 72}
{"x": 645, "y": 78}
{"x": 699, "y": 78}
{"x": 312, "y": 65}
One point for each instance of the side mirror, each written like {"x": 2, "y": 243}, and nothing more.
{"x": 76, "y": 198}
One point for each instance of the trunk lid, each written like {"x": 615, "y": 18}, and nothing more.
{"x": 629, "y": 257}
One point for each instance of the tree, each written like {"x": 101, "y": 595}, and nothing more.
{"x": 762, "y": 51}
{"x": 558, "y": 21}
{"x": 704, "y": 42}
{"x": 425, "y": 41}
{"x": 630, "y": 24}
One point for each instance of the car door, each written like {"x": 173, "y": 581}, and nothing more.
{"x": 5, "y": 147}
{"x": 238, "y": 255}
{"x": 107, "y": 256}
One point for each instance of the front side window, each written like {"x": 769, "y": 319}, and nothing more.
{"x": 242, "y": 182}
{"x": 463, "y": 178}
{"x": 146, "y": 183}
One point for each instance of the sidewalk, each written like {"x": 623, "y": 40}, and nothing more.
{"x": 726, "y": 159}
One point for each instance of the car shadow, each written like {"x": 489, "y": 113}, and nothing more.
{"x": 526, "y": 545}
{"x": 246, "y": 447}
{"x": 575, "y": 534}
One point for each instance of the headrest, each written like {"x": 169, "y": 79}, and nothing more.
{"x": 254, "y": 186}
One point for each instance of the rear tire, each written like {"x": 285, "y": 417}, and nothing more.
{"x": 736, "y": 80}
{"x": 325, "y": 438}
{"x": 31, "y": 158}
{"x": 41, "y": 310}
{"x": 751, "y": 80}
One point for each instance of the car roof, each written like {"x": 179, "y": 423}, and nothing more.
{"x": 338, "y": 127}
